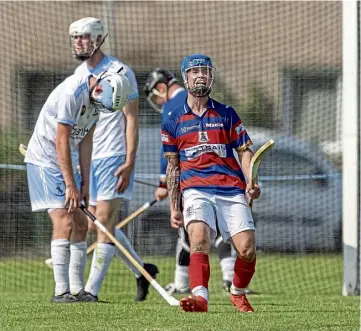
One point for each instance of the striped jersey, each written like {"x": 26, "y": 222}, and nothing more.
{"x": 205, "y": 147}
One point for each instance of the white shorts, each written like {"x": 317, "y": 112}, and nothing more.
{"x": 47, "y": 187}
{"x": 231, "y": 213}
{"x": 103, "y": 182}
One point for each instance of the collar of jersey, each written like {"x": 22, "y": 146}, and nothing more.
{"x": 99, "y": 65}
{"x": 188, "y": 110}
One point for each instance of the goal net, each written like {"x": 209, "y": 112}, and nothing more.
{"x": 278, "y": 64}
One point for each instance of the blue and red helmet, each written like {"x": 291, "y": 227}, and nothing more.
{"x": 197, "y": 61}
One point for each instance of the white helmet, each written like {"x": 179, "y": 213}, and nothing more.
{"x": 111, "y": 91}
{"x": 87, "y": 26}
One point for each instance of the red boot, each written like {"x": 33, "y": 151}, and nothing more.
{"x": 241, "y": 303}
{"x": 194, "y": 304}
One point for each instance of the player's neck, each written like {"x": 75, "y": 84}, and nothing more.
{"x": 197, "y": 104}
{"x": 96, "y": 58}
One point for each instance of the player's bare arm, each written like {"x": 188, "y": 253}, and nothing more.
{"x": 72, "y": 196}
{"x": 173, "y": 184}
{"x": 245, "y": 157}
{"x": 132, "y": 137}
{"x": 85, "y": 153}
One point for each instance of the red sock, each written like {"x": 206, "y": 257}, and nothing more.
{"x": 199, "y": 270}
{"x": 243, "y": 272}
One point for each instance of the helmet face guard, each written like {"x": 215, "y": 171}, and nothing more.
{"x": 159, "y": 75}
{"x": 111, "y": 92}
{"x": 201, "y": 66}
{"x": 151, "y": 100}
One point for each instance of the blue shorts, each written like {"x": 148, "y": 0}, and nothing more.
{"x": 47, "y": 187}
{"x": 103, "y": 182}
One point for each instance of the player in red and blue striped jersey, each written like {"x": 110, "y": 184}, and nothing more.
{"x": 199, "y": 139}
{"x": 164, "y": 94}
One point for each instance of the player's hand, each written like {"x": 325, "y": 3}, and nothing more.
{"x": 253, "y": 193}
{"x": 176, "y": 219}
{"x": 161, "y": 193}
{"x": 124, "y": 172}
{"x": 72, "y": 198}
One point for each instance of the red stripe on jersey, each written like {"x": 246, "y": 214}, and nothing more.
{"x": 211, "y": 113}
{"x": 208, "y": 160}
{"x": 211, "y": 181}
{"x": 188, "y": 140}
{"x": 186, "y": 117}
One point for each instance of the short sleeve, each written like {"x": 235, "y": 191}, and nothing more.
{"x": 169, "y": 140}
{"x": 238, "y": 134}
{"x": 134, "y": 94}
{"x": 67, "y": 109}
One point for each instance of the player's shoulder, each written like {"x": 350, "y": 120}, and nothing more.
{"x": 74, "y": 84}
{"x": 223, "y": 109}
{"x": 174, "y": 103}
{"x": 81, "y": 69}
{"x": 176, "y": 112}
{"x": 114, "y": 65}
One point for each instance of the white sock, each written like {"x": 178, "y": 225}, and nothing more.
{"x": 60, "y": 253}
{"x": 227, "y": 267}
{"x": 200, "y": 291}
{"x": 102, "y": 257}
{"x": 237, "y": 291}
{"x": 77, "y": 264}
{"x": 121, "y": 237}
{"x": 181, "y": 277}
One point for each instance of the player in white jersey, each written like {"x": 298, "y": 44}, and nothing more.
{"x": 115, "y": 144}
{"x": 61, "y": 140}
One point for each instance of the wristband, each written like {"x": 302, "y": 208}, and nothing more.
{"x": 162, "y": 184}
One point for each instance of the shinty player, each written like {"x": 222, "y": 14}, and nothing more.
{"x": 164, "y": 94}
{"x": 198, "y": 140}
{"x": 115, "y": 144}
{"x": 61, "y": 140}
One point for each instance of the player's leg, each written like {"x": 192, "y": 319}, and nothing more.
{"x": 244, "y": 268}
{"x": 60, "y": 253}
{"x": 227, "y": 257}
{"x": 102, "y": 192}
{"x": 181, "y": 277}
{"x": 200, "y": 223}
{"x": 47, "y": 192}
{"x": 236, "y": 224}
{"x": 105, "y": 212}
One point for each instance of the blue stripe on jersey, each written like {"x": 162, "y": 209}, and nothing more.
{"x": 133, "y": 96}
{"x": 79, "y": 89}
{"x": 59, "y": 120}
{"x": 210, "y": 171}
{"x": 163, "y": 162}
{"x": 102, "y": 63}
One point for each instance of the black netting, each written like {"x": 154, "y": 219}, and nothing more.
{"x": 278, "y": 64}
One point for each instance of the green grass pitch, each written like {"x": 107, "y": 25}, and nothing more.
{"x": 297, "y": 292}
